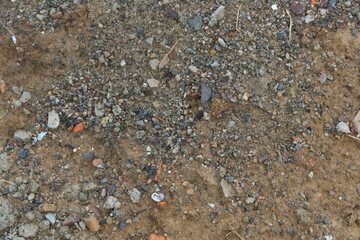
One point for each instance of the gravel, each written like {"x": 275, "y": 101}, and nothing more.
{"x": 221, "y": 128}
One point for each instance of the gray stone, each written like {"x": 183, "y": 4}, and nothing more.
{"x": 25, "y": 96}
{"x": 45, "y": 225}
{"x": 217, "y": 16}
{"x": 154, "y": 64}
{"x": 323, "y": 78}
{"x": 6, "y": 162}
{"x": 140, "y": 134}
{"x": 309, "y": 18}
{"x": 83, "y": 197}
{"x": 6, "y": 217}
{"x": 195, "y": 22}
{"x": 153, "y": 82}
{"x": 99, "y": 111}
{"x": 116, "y": 110}
{"x": 250, "y": 200}
{"x": 18, "y": 238}
{"x": 28, "y": 230}
{"x": 22, "y": 135}
{"x": 89, "y": 186}
{"x": 53, "y": 119}
{"x": 51, "y": 217}
{"x": 149, "y": 40}
{"x": 134, "y": 195}
{"x": 193, "y": 69}
{"x": 342, "y": 127}
{"x": 303, "y": 215}
{"x": 222, "y": 42}
{"x": 110, "y": 202}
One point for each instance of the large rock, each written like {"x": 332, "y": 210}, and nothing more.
{"x": 6, "y": 162}
{"x": 6, "y": 217}
{"x": 22, "y": 135}
{"x": 53, "y": 119}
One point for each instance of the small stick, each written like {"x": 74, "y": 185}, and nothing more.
{"x": 172, "y": 47}
{"x": 7, "y": 28}
{"x": 237, "y": 19}
{"x": 291, "y": 23}
{"x": 353, "y": 137}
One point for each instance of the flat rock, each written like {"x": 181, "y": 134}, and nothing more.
{"x": 153, "y": 82}
{"x": 227, "y": 188}
{"x": 195, "y": 22}
{"x": 22, "y": 135}
{"x": 110, "y": 202}
{"x": 28, "y": 230}
{"x": 154, "y": 64}
{"x": 25, "y": 96}
{"x": 6, "y": 217}
{"x": 6, "y": 162}
{"x": 217, "y": 16}
{"x": 53, "y": 119}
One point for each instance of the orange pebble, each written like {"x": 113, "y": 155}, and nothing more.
{"x": 92, "y": 223}
{"x": 79, "y": 127}
{"x": 161, "y": 204}
{"x": 153, "y": 236}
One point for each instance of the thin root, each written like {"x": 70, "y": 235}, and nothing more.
{"x": 237, "y": 19}
{"x": 291, "y": 23}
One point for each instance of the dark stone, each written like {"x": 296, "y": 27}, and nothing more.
{"x": 144, "y": 187}
{"x": 122, "y": 225}
{"x": 23, "y": 154}
{"x": 111, "y": 189}
{"x": 89, "y": 156}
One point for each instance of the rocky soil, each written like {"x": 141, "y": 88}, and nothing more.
{"x": 179, "y": 119}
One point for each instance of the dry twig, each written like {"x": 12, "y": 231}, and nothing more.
{"x": 234, "y": 232}
{"x": 166, "y": 59}
{"x": 2, "y": 180}
{"x": 237, "y": 19}
{"x": 7, "y": 28}
{"x": 291, "y": 23}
